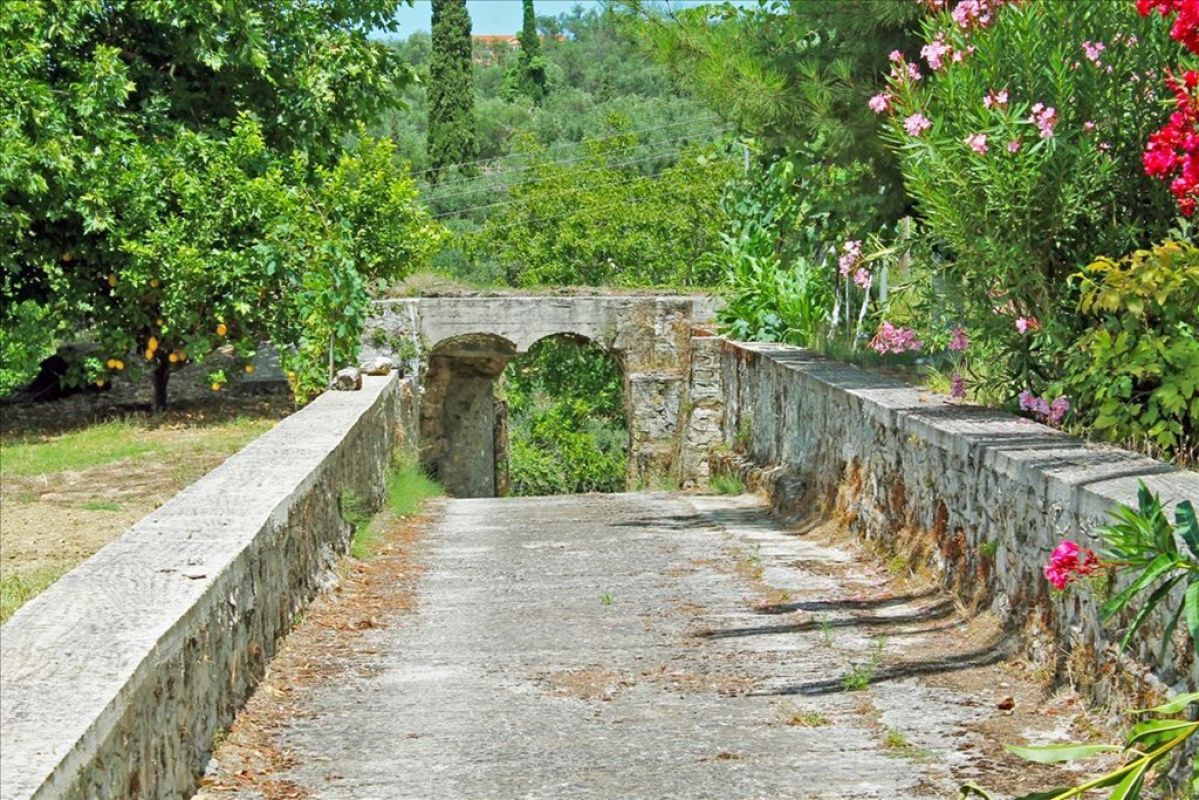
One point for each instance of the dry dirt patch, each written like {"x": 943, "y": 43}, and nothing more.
{"x": 69, "y": 486}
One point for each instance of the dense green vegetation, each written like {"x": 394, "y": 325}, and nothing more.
{"x": 566, "y": 420}
{"x": 180, "y": 176}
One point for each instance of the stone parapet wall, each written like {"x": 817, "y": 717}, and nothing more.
{"x": 980, "y": 496}
{"x": 115, "y": 680}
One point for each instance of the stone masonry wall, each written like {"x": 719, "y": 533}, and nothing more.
{"x": 114, "y": 681}
{"x": 979, "y": 496}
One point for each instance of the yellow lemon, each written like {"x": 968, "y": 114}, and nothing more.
{"x": 118, "y": 363}
{"x": 249, "y": 368}
{"x": 153, "y": 343}
{"x": 149, "y": 354}
{"x": 154, "y": 283}
{"x": 216, "y": 387}
{"x": 112, "y": 280}
{"x": 173, "y": 358}
{"x": 221, "y": 330}
{"x": 111, "y": 363}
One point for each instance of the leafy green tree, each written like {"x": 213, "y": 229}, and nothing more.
{"x": 451, "y": 138}
{"x": 155, "y": 157}
{"x": 793, "y": 73}
{"x": 528, "y": 75}
{"x": 601, "y": 221}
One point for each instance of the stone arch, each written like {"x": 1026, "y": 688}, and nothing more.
{"x": 459, "y": 426}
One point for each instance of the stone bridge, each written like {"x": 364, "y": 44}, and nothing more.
{"x": 462, "y": 344}
{"x": 639, "y": 645}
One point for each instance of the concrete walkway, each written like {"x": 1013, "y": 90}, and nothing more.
{"x": 658, "y": 646}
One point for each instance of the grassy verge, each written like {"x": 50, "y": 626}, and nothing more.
{"x": 67, "y": 493}
{"x": 726, "y": 484}
{"x": 407, "y": 488}
{"x": 17, "y": 590}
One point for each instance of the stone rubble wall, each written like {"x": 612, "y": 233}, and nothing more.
{"x": 115, "y": 680}
{"x": 977, "y": 496}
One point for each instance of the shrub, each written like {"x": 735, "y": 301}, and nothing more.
{"x": 1020, "y": 139}
{"x": 1134, "y": 374}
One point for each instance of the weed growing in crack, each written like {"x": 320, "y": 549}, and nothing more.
{"x": 606, "y": 599}
{"x": 860, "y": 677}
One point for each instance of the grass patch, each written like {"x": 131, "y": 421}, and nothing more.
{"x": 727, "y": 484}
{"x": 407, "y": 488}
{"x": 895, "y": 740}
{"x": 807, "y": 719}
{"x": 128, "y": 439}
{"x": 17, "y": 590}
{"x": 90, "y": 447}
{"x": 101, "y": 505}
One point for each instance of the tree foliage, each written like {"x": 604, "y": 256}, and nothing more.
{"x": 567, "y": 422}
{"x": 451, "y": 133}
{"x": 601, "y": 221}
{"x": 528, "y": 76}
{"x": 162, "y": 167}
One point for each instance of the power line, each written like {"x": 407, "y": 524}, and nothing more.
{"x": 614, "y": 165}
{"x": 488, "y": 180}
{"x": 576, "y": 144}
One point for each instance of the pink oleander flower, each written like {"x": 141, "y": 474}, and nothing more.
{"x": 1045, "y": 118}
{"x": 1068, "y": 562}
{"x": 959, "y": 340}
{"x": 994, "y": 99}
{"x": 895, "y": 56}
{"x": 880, "y": 103}
{"x": 862, "y": 278}
{"x": 957, "y": 386}
{"x": 1058, "y": 409}
{"x": 850, "y": 256}
{"x": 978, "y": 143}
{"x": 1045, "y": 411}
{"x": 893, "y": 339}
{"x": 1089, "y": 125}
{"x": 1093, "y": 50}
{"x": 935, "y": 51}
{"x": 1026, "y": 324}
{"x": 914, "y": 72}
{"x": 917, "y": 124}
{"x": 1013, "y": 146}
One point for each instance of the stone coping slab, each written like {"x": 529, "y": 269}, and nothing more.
{"x": 181, "y": 609}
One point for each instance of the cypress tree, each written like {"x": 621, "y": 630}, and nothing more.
{"x": 452, "y": 138}
{"x": 530, "y": 78}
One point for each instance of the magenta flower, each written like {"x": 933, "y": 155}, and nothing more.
{"x": 1026, "y": 324}
{"x": 1058, "y": 409}
{"x": 895, "y": 56}
{"x": 862, "y": 278}
{"x": 917, "y": 124}
{"x": 1093, "y": 50}
{"x": 914, "y": 72}
{"x": 880, "y": 103}
{"x": 1013, "y": 146}
{"x": 959, "y": 340}
{"x": 1045, "y": 118}
{"x": 978, "y": 143}
{"x": 894, "y": 339}
{"x": 850, "y": 256}
{"x": 1068, "y": 563}
{"x": 935, "y": 51}
{"x": 957, "y": 386}
{"x": 1089, "y": 125}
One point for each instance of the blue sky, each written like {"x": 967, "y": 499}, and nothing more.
{"x": 497, "y": 16}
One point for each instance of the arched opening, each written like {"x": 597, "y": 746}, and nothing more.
{"x": 460, "y": 421}
{"x": 564, "y": 402}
